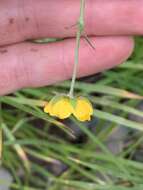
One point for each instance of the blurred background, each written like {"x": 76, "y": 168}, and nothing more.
{"x": 43, "y": 153}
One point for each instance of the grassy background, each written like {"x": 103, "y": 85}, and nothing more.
{"x": 41, "y": 152}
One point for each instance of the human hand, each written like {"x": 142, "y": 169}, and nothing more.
{"x": 24, "y": 64}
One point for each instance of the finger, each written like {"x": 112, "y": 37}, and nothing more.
{"x": 21, "y": 20}
{"x": 31, "y": 65}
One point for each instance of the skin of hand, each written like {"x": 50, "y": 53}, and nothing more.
{"x": 109, "y": 24}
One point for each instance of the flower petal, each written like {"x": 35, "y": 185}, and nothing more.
{"x": 46, "y": 108}
{"x": 84, "y": 118}
{"x": 83, "y": 110}
{"x": 60, "y": 108}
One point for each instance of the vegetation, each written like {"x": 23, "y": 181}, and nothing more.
{"x": 42, "y": 152}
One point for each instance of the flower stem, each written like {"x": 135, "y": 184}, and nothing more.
{"x": 80, "y": 26}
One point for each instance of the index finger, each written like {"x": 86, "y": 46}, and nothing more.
{"x": 22, "y": 20}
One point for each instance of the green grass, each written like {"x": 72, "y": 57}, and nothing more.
{"x": 29, "y": 145}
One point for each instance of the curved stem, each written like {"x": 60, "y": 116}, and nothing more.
{"x": 80, "y": 26}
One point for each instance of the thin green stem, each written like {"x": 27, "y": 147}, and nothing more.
{"x": 80, "y": 26}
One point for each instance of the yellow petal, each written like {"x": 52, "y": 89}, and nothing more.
{"x": 83, "y": 109}
{"x": 61, "y": 108}
{"x": 47, "y": 107}
{"x": 84, "y": 118}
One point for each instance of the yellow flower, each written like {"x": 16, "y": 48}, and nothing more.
{"x": 63, "y": 106}
{"x": 83, "y": 110}
{"x": 59, "y": 107}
